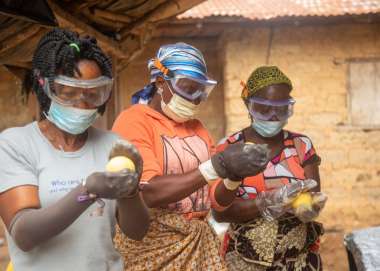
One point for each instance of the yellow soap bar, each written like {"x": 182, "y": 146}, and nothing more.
{"x": 303, "y": 199}
{"x": 119, "y": 163}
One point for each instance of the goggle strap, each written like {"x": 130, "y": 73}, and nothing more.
{"x": 244, "y": 92}
{"x": 157, "y": 63}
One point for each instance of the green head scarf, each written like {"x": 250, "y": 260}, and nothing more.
{"x": 262, "y": 77}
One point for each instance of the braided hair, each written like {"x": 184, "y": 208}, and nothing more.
{"x": 55, "y": 54}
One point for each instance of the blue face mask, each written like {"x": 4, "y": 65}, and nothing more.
{"x": 72, "y": 120}
{"x": 268, "y": 128}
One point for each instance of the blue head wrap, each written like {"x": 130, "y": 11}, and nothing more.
{"x": 180, "y": 58}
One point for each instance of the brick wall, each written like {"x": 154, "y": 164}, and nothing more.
{"x": 315, "y": 58}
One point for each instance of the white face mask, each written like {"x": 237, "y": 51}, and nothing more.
{"x": 178, "y": 108}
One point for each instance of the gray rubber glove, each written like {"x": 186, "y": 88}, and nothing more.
{"x": 112, "y": 185}
{"x": 273, "y": 204}
{"x": 125, "y": 148}
{"x": 117, "y": 185}
{"x": 240, "y": 160}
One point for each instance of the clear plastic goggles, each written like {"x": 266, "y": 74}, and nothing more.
{"x": 70, "y": 91}
{"x": 192, "y": 88}
{"x": 263, "y": 109}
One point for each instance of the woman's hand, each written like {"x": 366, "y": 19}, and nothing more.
{"x": 310, "y": 213}
{"x": 112, "y": 185}
{"x": 132, "y": 214}
{"x": 124, "y": 148}
{"x": 117, "y": 185}
{"x": 240, "y": 160}
{"x": 273, "y": 204}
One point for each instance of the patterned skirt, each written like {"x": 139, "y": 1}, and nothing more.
{"x": 284, "y": 245}
{"x": 172, "y": 243}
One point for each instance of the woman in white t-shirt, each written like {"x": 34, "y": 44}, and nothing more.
{"x": 58, "y": 204}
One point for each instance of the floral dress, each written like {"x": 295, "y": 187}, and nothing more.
{"x": 283, "y": 244}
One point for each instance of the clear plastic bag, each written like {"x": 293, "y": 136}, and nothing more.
{"x": 273, "y": 204}
{"x": 309, "y": 212}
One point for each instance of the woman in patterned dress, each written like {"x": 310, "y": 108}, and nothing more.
{"x": 261, "y": 236}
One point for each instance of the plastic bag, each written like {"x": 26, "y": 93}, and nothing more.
{"x": 274, "y": 203}
{"x": 310, "y": 211}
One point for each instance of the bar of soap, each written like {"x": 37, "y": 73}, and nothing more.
{"x": 303, "y": 199}
{"x": 119, "y": 163}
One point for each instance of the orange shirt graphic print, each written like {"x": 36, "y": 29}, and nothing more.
{"x": 183, "y": 155}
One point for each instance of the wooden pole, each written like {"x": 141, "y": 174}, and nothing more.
{"x": 100, "y": 20}
{"x": 163, "y": 11}
{"x": 112, "y": 16}
{"x": 18, "y": 38}
{"x": 67, "y": 20}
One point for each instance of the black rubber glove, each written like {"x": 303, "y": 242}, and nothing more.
{"x": 241, "y": 160}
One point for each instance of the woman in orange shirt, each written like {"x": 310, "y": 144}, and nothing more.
{"x": 179, "y": 163}
{"x": 264, "y": 233}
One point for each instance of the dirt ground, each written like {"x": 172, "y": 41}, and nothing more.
{"x": 334, "y": 256}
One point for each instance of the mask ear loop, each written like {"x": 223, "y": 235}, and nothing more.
{"x": 160, "y": 92}
{"x": 157, "y": 63}
{"x": 244, "y": 96}
{"x": 42, "y": 82}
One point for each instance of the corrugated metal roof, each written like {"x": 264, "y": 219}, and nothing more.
{"x": 270, "y": 9}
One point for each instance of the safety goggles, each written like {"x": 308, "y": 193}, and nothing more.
{"x": 191, "y": 88}
{"x": 70, "y": 91}
{"x": 185, "y": 85}
{"x": 263, "y": 109}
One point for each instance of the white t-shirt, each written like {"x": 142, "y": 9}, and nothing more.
{"x": 28, "y": 158}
